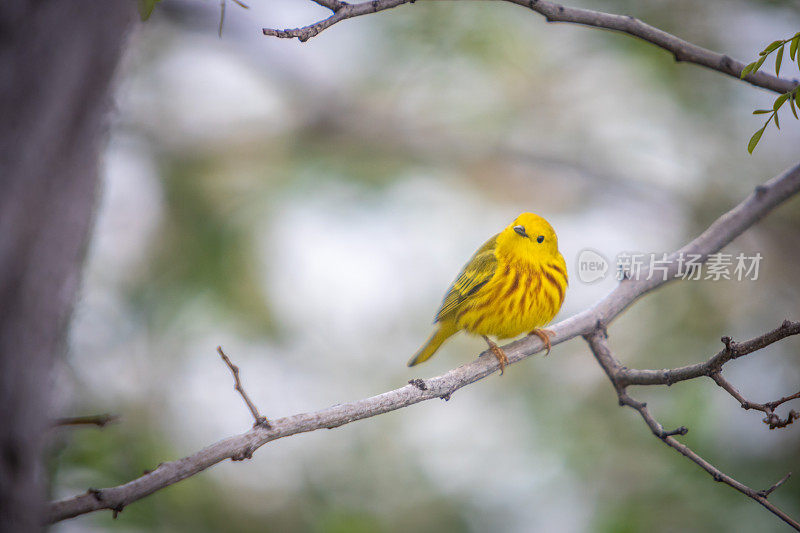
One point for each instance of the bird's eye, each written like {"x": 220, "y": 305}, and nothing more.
{"x": 540, "y": 239}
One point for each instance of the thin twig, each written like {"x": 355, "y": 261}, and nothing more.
{"x": 766, "y": 492}
{"x": 341, "y": 11}
{"x": 772, "y": 420}
{"x": 598, "y": 344}
{"x": 260, "y": 421}
{"x": 92, "y": 420}
{"x": 682, "y": 50}
{"x": 776, "y": 403}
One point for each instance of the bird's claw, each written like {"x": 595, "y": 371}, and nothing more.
{"x": 544, "y": 335}
{"x": 501, "y": 356}
{"x": 498, "y": 352}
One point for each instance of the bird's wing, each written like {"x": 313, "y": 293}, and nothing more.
{"x": 475, "y": 274}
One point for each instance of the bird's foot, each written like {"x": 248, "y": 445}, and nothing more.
{"x": 545, "y": 335}
{"x": 498, "y": 352}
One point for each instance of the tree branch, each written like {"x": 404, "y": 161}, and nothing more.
{"x": 259, "y": 420}
{"x": 732, "y": 350}
{"x": 772, "y": 420}
{"x": 92, "y": 420}
{"x": 721, "y": 232}
{"x": 682, "y": 50}
{"x": 341, "y": 11}
{"x": 597, "y": 341}
{"x": 333, "y": 5}
{"x": 713, "y": 369}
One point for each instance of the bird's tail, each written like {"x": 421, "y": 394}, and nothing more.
{"x": 444, "y": 332}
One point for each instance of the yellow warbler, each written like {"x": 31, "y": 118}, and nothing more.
{"x": 514, "y": 283}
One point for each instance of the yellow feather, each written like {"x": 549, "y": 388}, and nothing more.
{"x": 514, "y": 284}
{"x": 444, "y": 332}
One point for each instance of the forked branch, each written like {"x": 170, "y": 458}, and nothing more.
{"x": 713, "y": 369}
{"x": 598, "y": 343}
{"x": 726, "y": 228}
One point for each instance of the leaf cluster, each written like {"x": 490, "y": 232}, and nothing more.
{"x": 793, "y": 96}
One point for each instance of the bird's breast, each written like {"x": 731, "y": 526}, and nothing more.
{"x": 519, "y": 298}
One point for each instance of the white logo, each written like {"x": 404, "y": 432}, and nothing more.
{"x": 592, "y": 266}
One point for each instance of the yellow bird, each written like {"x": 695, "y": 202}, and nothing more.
{"x": 515, "y": 283}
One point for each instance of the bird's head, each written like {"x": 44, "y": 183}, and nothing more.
{"x": 529, "y": 236}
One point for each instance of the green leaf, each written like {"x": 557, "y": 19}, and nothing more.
{"x": 780, "y": 100}
{"x": 773, "y": 46}
{"x": 778, "y": 59}
{"x": 797, "y": 97}
{"x": 754, "y": 139}
{"x": 762, "y": 111}
{"x": 777, "y": 124}
{"x": 146, "y": 8}
{"x": 759, "y": 63}
{"x": 793, "y": 46}
{"x": 794, "y": 110}
{"x": 747, "y": 69}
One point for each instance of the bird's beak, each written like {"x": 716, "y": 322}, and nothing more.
{"x": 520, "y": 230}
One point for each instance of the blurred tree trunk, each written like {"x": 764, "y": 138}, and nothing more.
{"x": 57, "y": 60}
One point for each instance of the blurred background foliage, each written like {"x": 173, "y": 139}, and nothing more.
{"x": 306, "y": 205}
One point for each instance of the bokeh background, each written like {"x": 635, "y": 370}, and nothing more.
{"x": 306, "y": 206}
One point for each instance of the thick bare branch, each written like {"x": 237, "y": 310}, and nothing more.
{"x": 597, "y": 341}
{"x": 721, "y": 232}
{"x": 58, "y": 68}
{"x": 682, "y": 50}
